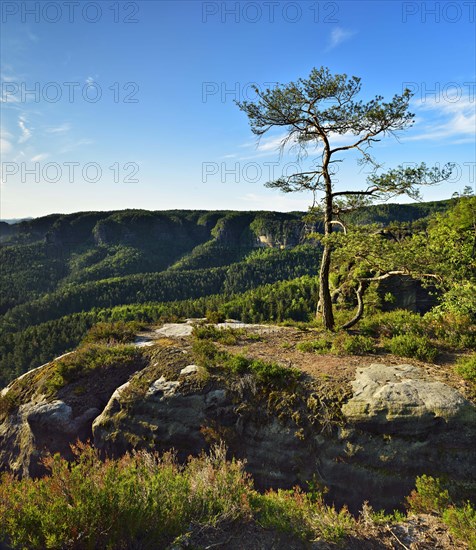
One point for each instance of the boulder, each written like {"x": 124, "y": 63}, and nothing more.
{"x": 401, "y": 398}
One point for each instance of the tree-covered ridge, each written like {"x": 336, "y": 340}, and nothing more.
{"x": 43, "y": 254}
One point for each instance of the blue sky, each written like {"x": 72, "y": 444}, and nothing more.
{"x": 109, "y": 105}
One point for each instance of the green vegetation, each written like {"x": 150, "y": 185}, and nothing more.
{"x": 431, "y": 497}
{"x": 53, "y": 311}
{"x": 94, "y": 280}
{"x": 90, "y": 357}
{"x": 226, "y": 335}
{"x": 340, "y": 344}
{"x": 410, "y": 345}
{"x": 29, "y": 348}
{"x": 322, "y": 345}
{"x": 150, "y": 501}
{"x": 117, "y": 332}
{"x": 466, "y": 367}
{"x": 345, "y": 344}
{"x": 303, "y": 516}
{"x": 138, "y": 501}
{"x": 208, "y": 355}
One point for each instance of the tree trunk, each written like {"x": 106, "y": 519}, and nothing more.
{"x": 360, "y": 307}
{"x": 324, "y": 291}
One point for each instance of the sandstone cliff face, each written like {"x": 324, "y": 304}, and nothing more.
{"x": 367, "y": 443}
{"x": 35, "y": 419}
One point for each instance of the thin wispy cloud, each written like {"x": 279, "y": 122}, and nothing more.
{"x": 7, "y": 97}
{"x": 6, "y": 146}
{"x": 9, "y": 85}
{"x": 73, "y": 145}
{"x": 338, "y": 36}
{"x": 40, "y": 157}
{"x": 31, "y": 36}
{"x": 5, "y": 77}
{"x": 271, "y": 146}
{"x": 449, "y": 119}
{"x": 25, "y": 131}
{"x": 63, "y": 128}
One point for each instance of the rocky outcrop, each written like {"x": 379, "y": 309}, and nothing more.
{"x": 38, "y": 425}
{"x": 186, "y": 409}
{"x": 401, "y": 424}
{"x": 367, "y": 444}
{"x": 403, "y": 399}
{"x": 34, "y": 419}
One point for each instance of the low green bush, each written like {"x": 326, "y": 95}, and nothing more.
{"x": 413, "y": 346}
{"x": 456, "y": 330}
{"x": 265, "y": 372}
{"x": 209, "y": 356}
{"x": 139, "y": 501}
{"x": 114, "y": 332}
{"x": 393, "y": 323}
{"x": 466, "y": 368}
{"x": 205, "y": 353}
{"x": 302, "y": 516}
{"x": 461, "y": 521}
{"x": 214, "y": 316}
{"x": 321, "y": 345}
{"x": 431, "y": 497}
{"x": 226, "y": 335}
{"x": 346, "y": 344}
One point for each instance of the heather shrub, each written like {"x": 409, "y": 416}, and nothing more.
{"x": 117, "y": 332}
{"x": 431, "y": 497}
{"x": 302, "y": 515}
{"x": 321, "y": 345}
{"x": 346, "y": 344}
{"x": 139, "y": 501}
{"x": 410, "y": 345}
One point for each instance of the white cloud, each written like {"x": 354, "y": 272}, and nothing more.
{"x": 338, "y": 36}
{"x": 455, "y": 119}
{"x": 73, "y": 145}
{"x": 270, "y": 143}
{"x": 25, "y": 131}
{"x": 59, "y": 129}
{"x": 5, "y": 146}
{"x": 40, "y": 157}
{"x": 270, "y": 146}
{"x": 31, "y": 36}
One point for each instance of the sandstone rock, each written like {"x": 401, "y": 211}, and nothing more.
{"x": 56, "y": 416}
{"x": 189, "y": 369}
{"x": 403, "y": 398}
{"x": 175, "y": 330}
{"x": 163, "y": 387}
